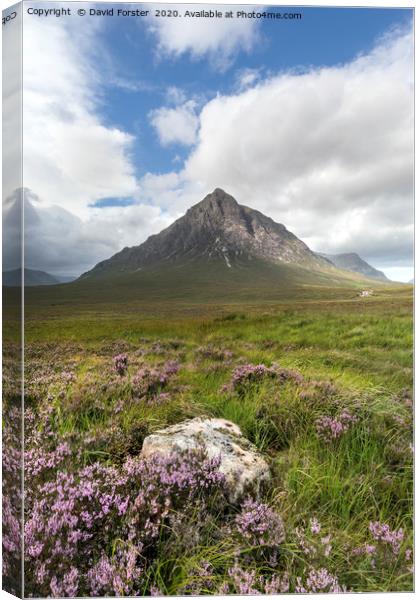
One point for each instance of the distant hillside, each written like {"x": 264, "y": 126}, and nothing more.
{"x": 32, "y": 277}
{"x": 65, "y": 278}
{"x": 352, "y": 262}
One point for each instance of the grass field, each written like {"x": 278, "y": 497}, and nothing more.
{"x": 337, "y": 432}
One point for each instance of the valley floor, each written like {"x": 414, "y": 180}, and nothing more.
{"x": 335, "y": 427}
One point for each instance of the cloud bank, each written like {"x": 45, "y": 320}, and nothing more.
{"x": 68, "y": 151}
{"x": 60, "y": 242}
{"x": 328, "y": 152}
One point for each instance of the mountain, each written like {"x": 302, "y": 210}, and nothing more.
{"x": 220, "y": 230}
{"x": 32, "y": 277}
{"x": 352, "y": 262}
{"x": 219, "y": 251}
{"x": 65, "y": 278}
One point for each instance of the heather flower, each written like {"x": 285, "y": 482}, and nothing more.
{"x": 119, "y": 576}
{"x": 284, "y": 375}
{"x": 246, "y": 374}
{"x": 11, "y": 500}
{"x": 326, "y": 542}
{"x": 243, "y": 581}
{"x": 75, "y": 516}
{"x": 158, "y": 348}
{"x": 202, "y": 580}
{"x": 121, "y": 364}
{"x": 155, "y": 592}
{"x": 215, "y": 353}
{"x": 315, "y": 526}
{"x": 303, "y": 543}
{"x": 319, "y": 580}
{"x": 225, "y": 388}
{"x": 259, "y": 524}
{"x": 326, "y": 388}
{"x": 67, "y": 585}
{"x": 347, "y": 417}
{"x": 277, "y": 584}
{"x": 365, "y": 549}
{"x": 223, "y": 589}
{"x": 313, "y": 545}
{"x": 149, "y": 381}
{"x": 247, "y": 582}
{"x": 38, "y": 459}
{"x": 11, "y": 527}
{"x": 68, "y": 377}
{"x": 171, "y": 368}
{"x": 11, "y": 539}
{"x": 381, "y": 532}
{"x": 100, "y": 577}
{"x": 332, "y": 428}
{"x": 162, "y": 398}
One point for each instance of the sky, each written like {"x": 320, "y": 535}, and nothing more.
{"x": 130, "y": 121}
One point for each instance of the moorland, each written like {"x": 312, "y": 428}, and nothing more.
{"x": 106, "y": 366}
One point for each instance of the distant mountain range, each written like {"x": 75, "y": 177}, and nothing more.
{"x": 32, "y": 277}
{"x": 352, "y": 262}
{"x": 218, "y": 251}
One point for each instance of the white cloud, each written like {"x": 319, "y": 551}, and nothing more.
{"x": 68, "y": 150}
{"x": 59, "y": 242}
{"x": 219, "y": 40}
{"x": 175, "y": 95}
{"x": 328, "y": 152}
{"x": 11, "y": 103}
{"x": 247, "y": 77}
{"x": 176, "y": 125}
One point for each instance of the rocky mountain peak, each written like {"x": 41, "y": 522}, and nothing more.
{"x": 218, "y": 229}
{"x": 217, "y": 205}
{"x": 218, "y": 200}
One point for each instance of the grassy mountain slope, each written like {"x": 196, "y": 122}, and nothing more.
{"x": 203, "y": 281}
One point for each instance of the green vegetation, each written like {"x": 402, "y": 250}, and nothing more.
{"x": 354, "y": 357}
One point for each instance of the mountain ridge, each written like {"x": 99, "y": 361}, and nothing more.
{"x": 32, "y": 277}
{"x": 216, "y": 228}
{"x": 351, "y": 261}
{"x": 218, "y": 252}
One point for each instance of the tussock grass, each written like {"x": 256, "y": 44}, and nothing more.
{"x": 352, "y": 355}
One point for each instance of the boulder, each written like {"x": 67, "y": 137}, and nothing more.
{"x": 244, "y": 467}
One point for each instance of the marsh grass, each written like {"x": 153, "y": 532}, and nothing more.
{"x": 350, "y": 355}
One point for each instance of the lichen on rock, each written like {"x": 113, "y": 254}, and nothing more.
{"x": 245, "y": 469}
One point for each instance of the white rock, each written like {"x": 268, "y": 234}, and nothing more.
{"x": 245, "y": 469}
